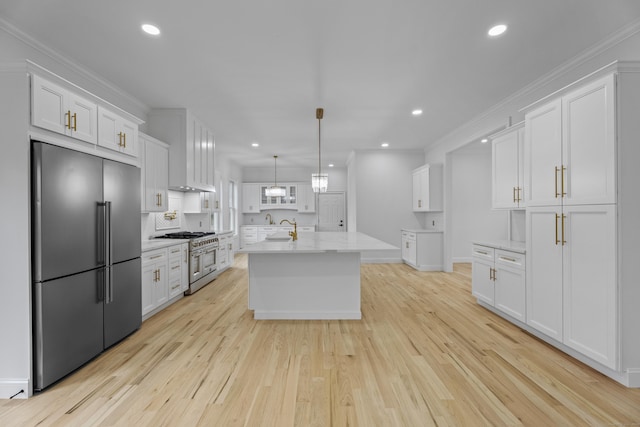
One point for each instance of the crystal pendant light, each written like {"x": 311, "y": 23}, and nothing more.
{"x": 275, "y": 191}
{"x": 319, "y": 181}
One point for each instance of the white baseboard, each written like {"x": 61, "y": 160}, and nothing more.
{"x": 10, "y": 387}
{"x": 381, "y": 261}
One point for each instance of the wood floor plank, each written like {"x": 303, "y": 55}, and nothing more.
{"x": 424, "y": 354}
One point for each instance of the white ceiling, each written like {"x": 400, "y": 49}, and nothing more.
{"x": 256, "y": 70}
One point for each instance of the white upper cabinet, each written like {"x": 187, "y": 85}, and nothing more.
{"x": 306, "y": 198}
{"x": 588, "y": 143}
{"x": 117, "y": 133}
{"x": 192, "y": 146}
{"x": 570, "y": 148}
{"x": 507, "y": 152}
{"x": 427, "y": 188}
{"x": 288, "y": 201}
{"x": 250, "y": 198}
{"x": 63, "y": 111}
{"x": 155, "y": 174}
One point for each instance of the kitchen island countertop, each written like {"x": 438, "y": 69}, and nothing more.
{"x": 318, "y": 242}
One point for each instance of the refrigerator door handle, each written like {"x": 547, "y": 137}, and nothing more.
{"x": 102, "y": 233}
{"x": 107, "y": 232}
{"x": 101, "y": 285}
{"x": 108, "y": 284}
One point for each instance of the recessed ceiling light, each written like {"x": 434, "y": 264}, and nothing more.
{"x": 484, "y": 140}
{"x": 255, "y": 144}
{"x": 497, "y": 30}
{"x": 151, "y": 29}
{"x": 384, "y": 144}
{"x": 330, "y": 165}
{"x": 416, "y": 112}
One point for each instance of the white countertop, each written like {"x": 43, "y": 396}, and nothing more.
{"x": 149, "y": 245}
{"x": 421, "y": 230}
{"x": 507, "y": 245}
{"x": 310, "y": 242}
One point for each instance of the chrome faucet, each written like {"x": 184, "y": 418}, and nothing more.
{"x": 294, "y": 233}
{"x": 269, "y": 218}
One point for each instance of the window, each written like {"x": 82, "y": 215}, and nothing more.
{"x": 233, "y": 207}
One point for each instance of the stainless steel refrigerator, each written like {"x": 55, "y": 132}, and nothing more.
{"x": 86, "y": 257}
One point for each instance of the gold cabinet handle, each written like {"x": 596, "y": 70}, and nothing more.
{"x": 119, "y": 139}
{"x": 519, "y": 194}
{"x": 563, "y": 172}
{"x": 556, "y": 182}
{"x": 75, "y": 122}
{"x": 67, "y": 116}
{"x": 508, "y": 259}
{"x": 125, "y": 140}
{"x": 514, "y": 195}
{"x": 155, "y": 256}
{"x": 564, "y": 242}
{"x": 557, "y": 240}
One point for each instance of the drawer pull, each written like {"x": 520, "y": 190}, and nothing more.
{"x": 157, "y": 256}
{"x": 482, "y": 252}
{"x": 508, "y": 259}
{"x": 176, "y": 267}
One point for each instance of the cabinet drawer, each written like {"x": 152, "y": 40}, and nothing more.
{"x": 175, "y": 267}
{"x": 510, "y": 259}
{"x": 483, "y": 252}
{"x": 408, "y": 235}
{"x": 159, "y": 255}
{"x": 175, "y": 252}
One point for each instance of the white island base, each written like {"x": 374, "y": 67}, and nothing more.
{"x": 316, "y": 277}
{"x": 323, "y": 285}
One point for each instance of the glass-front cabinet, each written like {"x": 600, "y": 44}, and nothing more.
{"x": 288, "y": 201}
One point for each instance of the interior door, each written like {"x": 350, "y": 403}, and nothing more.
{"x": 331, "y": 216}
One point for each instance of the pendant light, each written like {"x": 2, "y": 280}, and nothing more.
{"x": 319, "y": 181}
{"x": 275, "y": 191}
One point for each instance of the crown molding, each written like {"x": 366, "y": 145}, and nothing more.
{"x": 86, "y": 73}
{"x": 615, "y": 38}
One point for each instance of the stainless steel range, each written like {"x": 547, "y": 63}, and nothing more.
{"x": 203, "y": 248}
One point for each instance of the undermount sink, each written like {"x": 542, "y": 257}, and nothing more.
{"x": 281, "y": 236}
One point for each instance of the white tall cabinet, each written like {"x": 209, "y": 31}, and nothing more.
{"x": 581, "y": 174}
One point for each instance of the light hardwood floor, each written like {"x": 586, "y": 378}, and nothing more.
{"x": 423, "y": 354}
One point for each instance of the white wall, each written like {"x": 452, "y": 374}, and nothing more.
{"x": 472, "y": 217}
{"x": 384, "y": 193}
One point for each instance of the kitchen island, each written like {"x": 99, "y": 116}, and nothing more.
{"x": 315, "y": 277}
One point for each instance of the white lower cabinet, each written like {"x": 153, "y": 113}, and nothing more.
{"x": 175, "y": 270}
{"x": 155, "y": 291}
{"x": 165, "y": 277}
{"x": 422, "y": 249}
{"x": 571, "y": 292}
{"x": 498, "y": 279}
{"x": 248, "y": 235}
